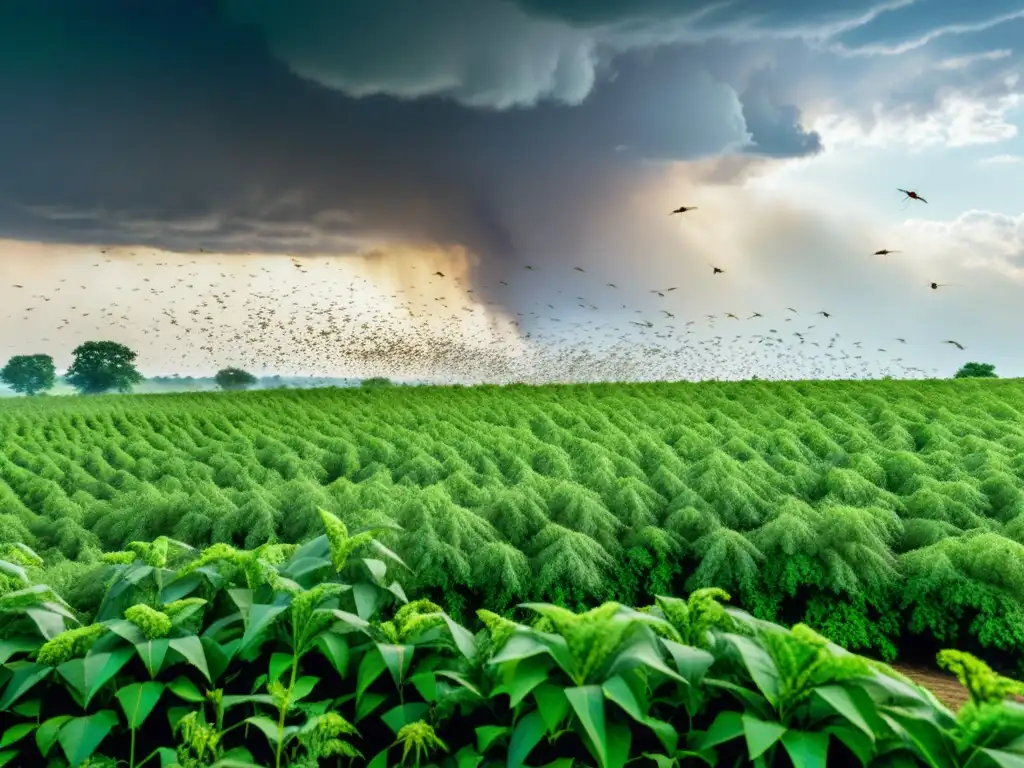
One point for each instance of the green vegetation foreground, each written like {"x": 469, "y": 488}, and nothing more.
{"x": 886, "y": 515}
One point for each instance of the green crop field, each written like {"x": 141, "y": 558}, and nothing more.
{"x": 887, "y": 515}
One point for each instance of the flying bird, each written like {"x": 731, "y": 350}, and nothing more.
{"x": 911, "y": 195}
{"x": 823, "y": 313}
{"x": 883, "y": 252}
{"x": 716, "y": 271}
{"x": 936, "y": 286}
{"x": 683, "y": 209}
{"x": 956, "y": 344}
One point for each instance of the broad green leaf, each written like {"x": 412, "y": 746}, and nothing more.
{"x": 180, "y": 588}
{"x": 526, "y": 735}
{"x": 398, "y": 658}
{"x": 760, "y": 665}
{"x": 335, "y": 648}
{"x": 620, "y": 740}
{"x": 380, "y": 549}
{"x": 396, "y": 589}
{"x": 520, "y": 645}
{"x": 16, "y": 733}
{"x": 137, "y": 701}
{"x": 88, "y": 675}
{"x": 30, "y": 708}
{"x": 522, "y": 678}
{"x": 618, "y": 691}
{"x": 641, "y": 653}
{"x": 49, "y": 623}
{"x": 46, "y": 735}
{"x": 760, "y": 734}
{"x": 861, "y": 745}
{"x": 15, "y": 570}
{"x": 303, "y": 687}
{"x": 377, "y": 568}
{"x": 426, "y": 685}
{"x": 380, "y": 760}
{"x": 692, "y": 663}
{"x": 461, "y": 680}
{"x": 1004, "y": 759}
{"x": 185, "y": 689}
{"x": 80, "y": 736}
{"x": 279, "y": 662}
{"x": 488, "y": 734}
{"x": 370, "y": 668}
{"x": 400, "y": 716}
{"x": 588, "y": 703}
{"x": 269, "y": 728}
{"x": 841, "y": 701}
{"x": 726, "y": 727}
{"x": 191, "y": 649}
{"x": 463, "y": 638}
{"x": 7, "y": 755}
{"x": 260, "y": 617}
{"x": 24, "y": 675}
{"x": 153, "y": 653}
{"x": 368, "y": 703}
{"x": 552, "y": 704}
{"x": 806, "y": 749}
{"x": 367, "y": 597}
{"x": 932, "y": 742}
{"x": 467, "y": 757}
{"x": 16, "y": 645}
{"x": 218, "y": 656}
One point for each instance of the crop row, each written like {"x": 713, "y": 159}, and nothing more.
{"x": 887, "y": 515}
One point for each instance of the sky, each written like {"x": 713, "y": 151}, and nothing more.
{"x": 446, "y": 189}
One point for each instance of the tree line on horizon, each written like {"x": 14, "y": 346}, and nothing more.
{"x": 106, "y": 366}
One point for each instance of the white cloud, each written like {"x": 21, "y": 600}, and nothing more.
{"x": 963, "y": 62}
{"x": 1002, "y": 160}
{"x": 974, "y": 240}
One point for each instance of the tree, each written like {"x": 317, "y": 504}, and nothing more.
{"x": 976, "y": 371}
{"x": 29, "y": 374}
{"x": 100, "y": 366}
{"x": 234, "y": 379}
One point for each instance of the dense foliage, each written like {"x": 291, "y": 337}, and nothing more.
{"x": 976, "y": 371}
{"x": 234, "y": 379}
{"x": 314, "y": 655}
{"x": 102, "y": 366}
{"x": 29, "y": 374}
{"x": 886, "y": 515}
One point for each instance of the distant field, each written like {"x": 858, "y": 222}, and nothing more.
{"x": 889, "y": 515}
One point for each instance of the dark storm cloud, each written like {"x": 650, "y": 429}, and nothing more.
{"x": 184, "y": 124}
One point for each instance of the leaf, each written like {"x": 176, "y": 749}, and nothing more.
{"x": 426, "y": 685}
{"x": 467, "y": 757}
{"x": 842, "y": 702}
{"x": 268, "y": 726}
{"x": 7, "y": 755}
{"x": 377, "y": 568}
{"x": 760, "y": 734}
{"x": 368, "y": 703}
{"x": 191, "y": 648}
{"x": 367, "y": 597}
{"x": 618, "y": 691}
{"x": 641, "y": 652}
{"x": 463, "y": 638}
{"x": 400, "y": 716}
{"x": 23, "y": 678}
{"x": 303, "y": 687}
{"x": 153, "y": 653}
{"x": 185, "y": 689}
{"x": 80, "y": 736}
{"x": 279, "y": 662}
{"x": 180, "y": 588}
{"x": 88, "y": 675}
{"x": 260, "y": 617}
{"x": 726, "y": 727}
{"x": 370, "y": 668}
{"x": 16, "y": 645}
{"x": 16, "y": 570}
{"x": 1004, "y": 759}
{"x": 619, "y": 741}
{"x": 552, "y": 704}
{"x": 527, "y": 735}
{"x": 523, "y": 678}
{"x": 488, "y": 734}
{"x": 16, "y": 733}
{"x": 217, "y": 656}
{"x": 46, "y": 735}
{"x": 50, "y": 624}
{"x": 588, "y": 703}
{"x": 137, "y": 701}
{"x": 30, "y": 708}
{"x": 380, "y": 760}
{"x": 692, "y": 663}
{"x": 335, "y": 648}
{"x": 398, "y": 658}
{"x": 760, "y": 666}
{"x": 806, "y": 749}
{"x": 520, "y": 645}
{"x": 931, "y": 742}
